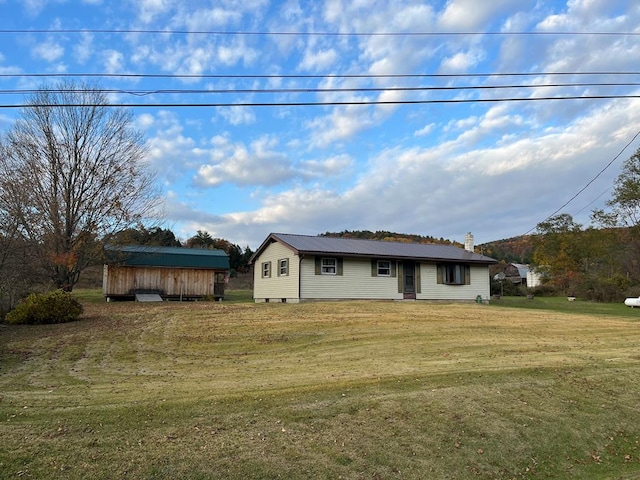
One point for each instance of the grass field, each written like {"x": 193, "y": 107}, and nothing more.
{"x": 353, "y": 390}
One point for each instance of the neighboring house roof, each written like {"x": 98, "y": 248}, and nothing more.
{"x": 522, "y": 269}
{"x": 514, "y": 270}
{"x": 147, "y": 256}
{"x": 351, "y": 247}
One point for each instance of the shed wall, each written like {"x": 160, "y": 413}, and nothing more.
{"x": 122, "y": 280}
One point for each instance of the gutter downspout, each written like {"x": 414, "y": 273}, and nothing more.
{"x": 300, "y": 257}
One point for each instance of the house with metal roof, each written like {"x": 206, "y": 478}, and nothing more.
{"x": 143, "y": 272}
{"x": 295, "y": 268}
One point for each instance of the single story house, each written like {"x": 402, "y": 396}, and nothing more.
{"x": 295, "y": 268}
{"x": 170, "y": 273}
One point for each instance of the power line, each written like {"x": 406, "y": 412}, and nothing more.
{"x": 313, "y": 104}
{"x": 310, "y": 34}
{"x": 316, "y": 90}
{"x": 310, "y": 76}
{"x": 590, "y": 181}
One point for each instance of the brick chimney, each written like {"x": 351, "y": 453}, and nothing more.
{"x": 468, "y": 242}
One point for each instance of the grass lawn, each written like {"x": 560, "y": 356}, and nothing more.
{"x": 353, "y": 390}
{"x": 561, "y": 304}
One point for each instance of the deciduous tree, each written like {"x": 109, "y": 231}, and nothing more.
{"x": 624, "y": 211}
{"x": 625, "y": 199}
{"x": 73, "y": 171}
{"x": 557, "y": 251}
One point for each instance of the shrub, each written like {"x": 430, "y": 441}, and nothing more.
{"x": 609, "y": 289}
{"x": 40, "y": 308}
{"x": 545, "y": 290}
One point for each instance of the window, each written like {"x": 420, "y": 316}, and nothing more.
{"x": 328, "y": 266}
{"x": 266, "y": 269}
{"x": 454, "y": 274}
{"x": 283, "y": 267}
{"x": 384, "y": 268}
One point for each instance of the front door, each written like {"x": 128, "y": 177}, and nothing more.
{"x": 409, "y": 279}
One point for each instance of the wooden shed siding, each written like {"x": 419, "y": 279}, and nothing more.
{"x": 119, "y": 280}
{"x": 431, "y": 290}
{"x": 276, "y": 287}
{"x": 356, "y": 282}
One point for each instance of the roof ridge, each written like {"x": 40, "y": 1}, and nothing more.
{"x": 412, "y": 242}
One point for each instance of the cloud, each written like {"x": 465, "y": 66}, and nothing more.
{"x": 149, "y": 10}
{"x": 318, "y": 60}
{"x": 462, "y": 61}
{"x": 48, "y": 50}
{"x": 171, "y": 152}
{"x": 237, "y": 115}
{"x": 84, "y": 49}
{"x": 426, "y": 130}
{"x": 113, "y": 61}
{"x": 259, "y": 164}
{"x": 34, "y": 7}
{"x": 458, "y": 16}
{"x": 327, "y": 168}
{"x": 339, "y": 125}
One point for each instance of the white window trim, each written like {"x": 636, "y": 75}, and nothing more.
{"x": 283, "y": 267}
{"x": 388, "y": 268}
{"x": 266, "y": 269}
{"x": 328, "y": 266}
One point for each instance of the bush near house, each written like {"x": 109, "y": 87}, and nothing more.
{"x": 42, "y": 308}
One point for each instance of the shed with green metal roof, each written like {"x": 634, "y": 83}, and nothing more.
{"x": 167, "y": 273}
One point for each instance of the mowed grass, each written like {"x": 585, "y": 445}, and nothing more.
{"x": 353, "y": 390}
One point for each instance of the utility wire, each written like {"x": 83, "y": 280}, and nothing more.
{"x": 313, "y": 104}
{"x": 313, "y": 90}
{"x": 310, "y": 34}
{"x": 590, "y": 181}
{"x": 303, "y": 76}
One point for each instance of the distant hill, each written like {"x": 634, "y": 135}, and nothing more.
{"x": 510, "y": 250}
{"x": 388, "y": 237}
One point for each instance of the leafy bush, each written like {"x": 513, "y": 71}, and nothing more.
{"x": 40, "y": 308}
{"x": 507, "y": 288}
{"x": 545, "y": 290}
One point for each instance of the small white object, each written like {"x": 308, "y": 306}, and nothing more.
{"x": 632, "y": 302}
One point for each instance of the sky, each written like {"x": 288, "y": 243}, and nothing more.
{"x": 313, "y": 116}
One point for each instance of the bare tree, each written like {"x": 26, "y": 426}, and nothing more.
{"x": 74, "y": 171}
{"x": 16, "y": 267}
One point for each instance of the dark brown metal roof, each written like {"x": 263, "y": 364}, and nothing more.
{"x": 351, "y": 247}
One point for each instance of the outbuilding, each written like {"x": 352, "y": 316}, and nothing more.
{"x": 135, "y": 272}
{"x": 295, "y": 268}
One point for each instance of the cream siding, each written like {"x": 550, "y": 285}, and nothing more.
{"x": 431, "y": 290}
{"x": 356, "y": 282}
{"x": 276, "y": 288}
